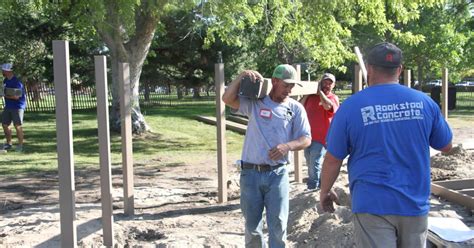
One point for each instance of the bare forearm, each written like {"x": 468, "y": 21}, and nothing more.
{"x": 299, "y": 144}
{"x": 330, "y": 172}
{"x": 281, "y": 150}
{"x": 325, "y": 101}
{"x": 447, "y": 148}
{"x": 231, "y": 97}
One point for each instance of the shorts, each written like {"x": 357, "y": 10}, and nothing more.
{"x": 15, "y": 115}
{"x": 390, "y": 231}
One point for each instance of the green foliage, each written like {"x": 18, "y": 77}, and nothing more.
{"x": 31, "y": 28}
{"x": 448, "y": 42}
{"x": 316, "y": 31}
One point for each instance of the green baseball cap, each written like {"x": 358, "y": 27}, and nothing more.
{"x": 287, "y": 73}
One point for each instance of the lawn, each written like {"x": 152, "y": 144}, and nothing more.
{"x": 174, "y": 134}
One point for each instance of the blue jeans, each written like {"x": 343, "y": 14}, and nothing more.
{"x": 314, "y": 155}
{"x": 270, "y": 190}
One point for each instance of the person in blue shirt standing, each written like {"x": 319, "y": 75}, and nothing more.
{"x": 14, "y": 107}
{"x": 387, "y": 130}
{"x": 277, "y": 125}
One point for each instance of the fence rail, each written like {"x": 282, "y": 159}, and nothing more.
{"x": 42, "y": 98}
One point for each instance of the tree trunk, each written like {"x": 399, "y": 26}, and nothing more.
{"x": 128, "y": 49}
{"x": 179, "y": 92}
{"x": 196, "y": 92}
{"x": 147, "y": 92}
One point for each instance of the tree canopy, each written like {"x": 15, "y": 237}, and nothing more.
{"x": 178, "y": 41}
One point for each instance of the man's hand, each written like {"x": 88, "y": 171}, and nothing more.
{"x": 278, "y": 151}
{"x": 327, "y": 200}
{"x": 253, "y": 75}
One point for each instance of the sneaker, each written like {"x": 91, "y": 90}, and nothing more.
{"x": 19, "y": 148}
{"x": 7, "y": 146}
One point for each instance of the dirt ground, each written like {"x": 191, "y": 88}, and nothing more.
{"x": 176, "y": 206}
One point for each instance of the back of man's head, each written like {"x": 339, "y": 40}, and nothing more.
{"x": 385, "y": 57}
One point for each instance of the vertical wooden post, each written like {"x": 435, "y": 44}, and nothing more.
{"x": 358, "y": 79}
{"x": 298, "y": 155}
{"x": 126, "y": 125}
{"x": 444, "y": 93}
{"x": 104, "y": 149}
{"x": 407, "y": 78}
{"x": 221, "y": 138}
{"x": 62, "y": 86}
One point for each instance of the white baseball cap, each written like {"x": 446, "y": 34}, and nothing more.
{"x": 7, "y": 67}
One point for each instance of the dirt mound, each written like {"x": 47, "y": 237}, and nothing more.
{"x": 457, "y": 164}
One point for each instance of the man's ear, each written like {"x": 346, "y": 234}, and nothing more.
{"x": 274, "y": 81}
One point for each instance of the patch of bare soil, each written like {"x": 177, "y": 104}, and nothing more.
{"x": 176, "y": 206}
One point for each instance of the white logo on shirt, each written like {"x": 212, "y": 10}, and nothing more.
{"x": 392, "y": 112}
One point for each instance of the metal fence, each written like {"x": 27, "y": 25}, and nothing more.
{"x": 41, "y": 98}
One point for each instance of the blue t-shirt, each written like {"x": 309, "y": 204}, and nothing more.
{"x": 387, "y": 131}
{"x": 271, "y": 123}
{"x": 15, "y": 104}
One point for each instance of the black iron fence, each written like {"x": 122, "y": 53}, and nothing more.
{"x": 42, "y": 98}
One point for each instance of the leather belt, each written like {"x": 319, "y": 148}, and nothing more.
{"x": 260, "y": 167}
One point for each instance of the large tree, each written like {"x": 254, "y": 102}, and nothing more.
{"x": 320, "y": 31}
{"x": 127, "y": 28}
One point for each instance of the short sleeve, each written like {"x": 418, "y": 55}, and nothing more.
{"x": 245, "y": 106}
{"x": 337, "y": 138}
{"x": 301, "y": 125}
{"x": 441, "y": 134}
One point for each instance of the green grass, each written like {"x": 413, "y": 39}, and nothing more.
{"x": 175, "y": 134}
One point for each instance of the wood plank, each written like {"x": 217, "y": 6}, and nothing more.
{"x": 457, "y": 184}
{"x": 239, "y": 128}
{"x": 452, "y": 196}
{"x": 308, "y": 88}
{"x": 104, "y": 150}
{"x": 469, "y": 192}
{"x": 127, "y": 141}
{"x": 238, "y": 119}
{"x": 62, "y": 86}
{"x": 221, "y": 139}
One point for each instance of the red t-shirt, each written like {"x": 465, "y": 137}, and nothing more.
{"x": 319, "y": 118}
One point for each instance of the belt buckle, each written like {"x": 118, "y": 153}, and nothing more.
{"x": 260, "y": 168}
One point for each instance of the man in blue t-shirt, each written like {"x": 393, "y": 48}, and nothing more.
{"x": 277, "y": 124}
{"x": 15, "y": 104}
{"x": 386, "y": 130}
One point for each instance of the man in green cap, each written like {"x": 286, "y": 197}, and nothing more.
{"x": 277, "y": 124}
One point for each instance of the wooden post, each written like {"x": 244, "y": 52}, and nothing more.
{"x": 298, "y": 155}
{"x": 62, "y": 85}
{"x": 104, "y": 149}
{"x": 407, "y": 78}
{"x": 126, "y": 125}
{"x": 444, "y": 93}
{"x": 358, "y": 79}
{"x": 221, "y": 139}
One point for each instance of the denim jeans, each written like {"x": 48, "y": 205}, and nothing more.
{"x": 314, "y": 155}
{"x": 269, "y": 190}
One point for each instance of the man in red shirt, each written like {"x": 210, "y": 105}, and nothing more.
{"x": 320, "y": 108}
